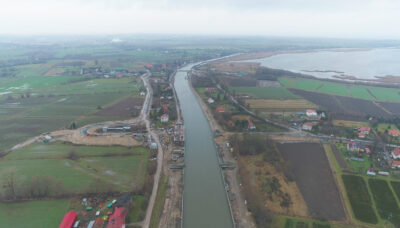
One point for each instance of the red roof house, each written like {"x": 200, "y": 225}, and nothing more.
{"x": 367, "y": 150}
{"x": 364, "y": 130}
{"x": 395, "y": 133}
{"x": 396, "y": 153}
{"x": 118, "y": 75}
{"x": 165, "y": 107}
{"x": 352, "y": 146}
{"x": 69, "y": 220}
{"x": 251, "y": 125}
{"x": 395, "y": 164}
{"x": 117, "y": 219}
{"x": 220, "y": 109}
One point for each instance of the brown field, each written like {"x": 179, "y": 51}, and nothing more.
{"x": 127, "y": 107}
{"x": 54, "y": 71}
{"x": 254, "y": 170}
{"x": 346, "y": 123}
{"x": 234, "y": 67}
{"x": 311, "y": 170}
{"x": 273, "y": 104}
{"x": 344, "y": 108}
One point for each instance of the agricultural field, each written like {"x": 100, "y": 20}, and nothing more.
{"x": 349, "y": 124}
{"x": 343, "y": 89}
{"x": 360, "y": 200}
{"x": 279, "y": 105}
{"x": 116, "y": 167}
{"x": 264, "y": 93}
{"x": 386, "y": 203}
{"x": 310, "y": 167}
{"x": 33, "y": 214}
{"x": 22, "y": 118}
{"x": 345, "y": 108}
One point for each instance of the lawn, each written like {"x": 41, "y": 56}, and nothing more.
{"x": 386, "y": 203}
{"x": 362, "y": 166}
{"x": 360, "y": 200}
{"x": 33, "y": 214}
{"x": 266, "y": 93}
{"x": 382, "y": 127}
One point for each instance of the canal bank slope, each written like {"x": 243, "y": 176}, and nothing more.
{"x": 205, "y": 202}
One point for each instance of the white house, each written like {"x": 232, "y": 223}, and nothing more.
{"x": 396, "y": 153}
{"x": 307, "y": 126}
{"x": 311, "y": 113}
{"x": 164, "y": 118}
{"x": 142, "y": 93}
{"x": 210, "y": 100}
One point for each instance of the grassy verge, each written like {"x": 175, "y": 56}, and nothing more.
{"x": 159, "y": 204}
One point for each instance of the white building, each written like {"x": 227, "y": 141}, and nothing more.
{"x": 164, "y": 118}
{"x": 210, "y": 100}
{"x": 307, "y": 126}
{"x": 311, "y": 113}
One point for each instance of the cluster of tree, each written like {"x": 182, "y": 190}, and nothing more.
{"x": 200, "y": 81}
{"x": 253, "y": 144}
{"x": 263, "y": 73}
{"x": 8, "y": 72}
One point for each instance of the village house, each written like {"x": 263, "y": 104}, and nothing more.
{"x": 164, "y": 118}
{"x": 307, "y": 126}
{"x": 165, "y": 108}
{"x": 396, "y": 153}
{"x": 371, "y": 172}
{"x": 210, "y": 90}
{"x": 210, "y": 100}
{"x": 220, "y": 109}
{"x": 251, "y": 125}
{"x": 364, "y": 130}
{"x": 394, "y": 133}
{"x": 352, "y": 146}
{"x": 311, "y": 113}
{"x": 394, "y": 164}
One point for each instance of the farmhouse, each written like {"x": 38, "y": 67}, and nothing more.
{"x": 164, "y": 118}
{"x": 395, "y": 133}
{"x": 361, "y": 135}
{"x": 220, "y": 109}
{"x": 396, "y": 153}
{"x": 251, "y": 125}
{"x": 311, "y": 113}
{"x": 307, "y": 126}
{"x": 142, "y": 93}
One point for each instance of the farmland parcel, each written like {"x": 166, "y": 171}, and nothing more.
{"x": 310, "y": 167}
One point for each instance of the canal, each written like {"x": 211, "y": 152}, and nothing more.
{"x": 205, "y": 202}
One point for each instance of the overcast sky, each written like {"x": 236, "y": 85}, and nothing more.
{"x": 301, "y": 18}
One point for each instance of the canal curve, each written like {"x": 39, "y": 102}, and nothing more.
{"x": 205, "y": 202}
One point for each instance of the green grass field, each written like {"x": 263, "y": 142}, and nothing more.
{"x": 33, "y": 214}
{"x": 386, "y": 203}
{"x": 60, "y": 150}
{"x": 266, "y": 93}
{"x": 342, "y": 89}
{"x": 120, "y": 167}
{"x": 359, "y": 198}
{"x": 21, "y": 119}
{"x": 396, "y": 188}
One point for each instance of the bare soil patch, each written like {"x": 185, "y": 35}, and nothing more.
{"x": 311, "y": 170}
{"x": 127, "y": 107}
